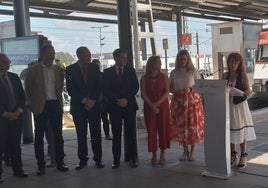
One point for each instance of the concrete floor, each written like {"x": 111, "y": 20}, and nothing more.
{"x": 173, "y": 174}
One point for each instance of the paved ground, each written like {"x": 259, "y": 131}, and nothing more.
{"x": 173, "y": 174}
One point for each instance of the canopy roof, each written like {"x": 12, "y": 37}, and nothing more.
{"x": 225, "y": 10}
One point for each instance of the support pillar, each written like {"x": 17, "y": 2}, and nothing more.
{"x": 22, "y": 18}
{"x": 125, "y": 42}
{"x": 179, "y": 29}
{"x": 124, "y": 29}
{"x": 23, "y": 28}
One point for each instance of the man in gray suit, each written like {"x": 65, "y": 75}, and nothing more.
{"x": 44, "y": 85}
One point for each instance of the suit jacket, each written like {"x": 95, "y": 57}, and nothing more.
{"x": 18, "y": 91}
{"x": 36, "y": 90}
{"x": 78, "y": 90}
{"x": 115, "y": 88}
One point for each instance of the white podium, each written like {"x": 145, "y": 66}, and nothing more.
{"x": 217, "y": 127}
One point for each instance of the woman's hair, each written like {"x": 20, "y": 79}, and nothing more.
{"x": 237, "y": 57}
{"x": 189, "y": 65}
{"x": 151, "y": 63}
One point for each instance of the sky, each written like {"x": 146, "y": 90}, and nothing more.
{"x": 67, "y": 36}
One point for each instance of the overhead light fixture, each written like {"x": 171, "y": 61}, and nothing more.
{"x": 230, "y": 3}
{"x": 186, "y": 3}
{"x": 174, "y": 17}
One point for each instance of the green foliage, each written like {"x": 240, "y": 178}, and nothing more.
{"x": 65, "y": 58}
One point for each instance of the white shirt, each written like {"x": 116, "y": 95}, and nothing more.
{"x": 183, "y": 79}
{"x": 49, "y": 78}
{"x": 117, "y": 69}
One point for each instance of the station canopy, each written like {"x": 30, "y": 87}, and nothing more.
{"x": 225, "y": 10}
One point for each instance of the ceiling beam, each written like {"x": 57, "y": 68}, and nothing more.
{"x": 233, "y": 12}
{"x": 177, "y": 3}
{"x": 63, "y": 17}
{"x": 190, "y": 8}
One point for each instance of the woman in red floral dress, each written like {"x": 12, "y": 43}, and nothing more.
{"x": 187, "y": 116}
{"x": 154, "y": 92}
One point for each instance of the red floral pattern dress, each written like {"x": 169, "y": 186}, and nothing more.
{"x": 187, "y": 118}
{"x": 187, "y": 115}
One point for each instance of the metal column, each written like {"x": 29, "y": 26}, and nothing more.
{"x": 179, "y": 29}
{"x": 22, "y": 18}
{"x": 124, "y": 29}
{"x": 23, "y": 28}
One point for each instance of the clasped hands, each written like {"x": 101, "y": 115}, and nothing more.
{"x": 11, "y": 116}
{"x": 89, "y": 103}
{"x": 155, "y": 108}
{"x": 122, "y": 102}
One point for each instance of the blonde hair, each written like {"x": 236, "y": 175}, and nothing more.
{"x": 189, "y": 65}
{"x": 150, "y": 63}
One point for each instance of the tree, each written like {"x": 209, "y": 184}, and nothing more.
{"x": 65, "y": 58}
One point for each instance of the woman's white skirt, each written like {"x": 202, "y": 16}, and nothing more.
{"x": 241, "y": 124}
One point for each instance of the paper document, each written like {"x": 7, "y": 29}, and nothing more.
{"x": 235, "y": 92}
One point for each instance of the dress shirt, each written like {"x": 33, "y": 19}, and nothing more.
{"x": 10, "y": 84}
{"x": 118, "y": 70}
{"x": 49, "y": 78}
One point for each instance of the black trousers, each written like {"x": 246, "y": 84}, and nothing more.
{"x": 11, "y": 140}
{"x": 118, "y": 118}
{"x": 52, "y": 113}
{"x": 83, "y": 120}
{"x": 105, "y": 118}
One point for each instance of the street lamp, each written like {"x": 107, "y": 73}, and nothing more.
{"x": 101, "y": 41}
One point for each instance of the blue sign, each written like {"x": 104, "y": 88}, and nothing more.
{"x": 22, "y": 59}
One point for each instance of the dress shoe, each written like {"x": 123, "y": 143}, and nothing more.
{"x": 20, "y": 174}
{"x": 41, "y": 171}
{"x": 62, "y": 167}
{"x": 80, "y": 166}
{"x": 1, "y": 181}
{"x": 134, "y": 164}
{"x": 127, "y": 159}
{"x": 99, "y": 164}
{"x": 108, "y": 138}
{"x": 115, "y": 165}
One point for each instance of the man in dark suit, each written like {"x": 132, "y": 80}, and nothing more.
{"x": 120, "y": 85}
{"x": 44, "y": 86}
{"x": 83, "y": 83}
{"x": 12, "y": 101}
{"x": 104, "y": 112}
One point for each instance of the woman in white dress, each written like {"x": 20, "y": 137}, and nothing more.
{"x": 241, "y": 124}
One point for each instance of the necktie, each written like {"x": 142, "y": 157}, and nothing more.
{"x": 9, "y": 92}
{"x": 84, "y": 73}
{"x": 120, "y": 71}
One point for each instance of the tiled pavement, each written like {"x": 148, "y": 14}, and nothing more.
{"x": 173, "y": 174}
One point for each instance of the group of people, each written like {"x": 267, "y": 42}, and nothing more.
{"x": 180, "y": 119}
{"x": 87, "y": 89}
